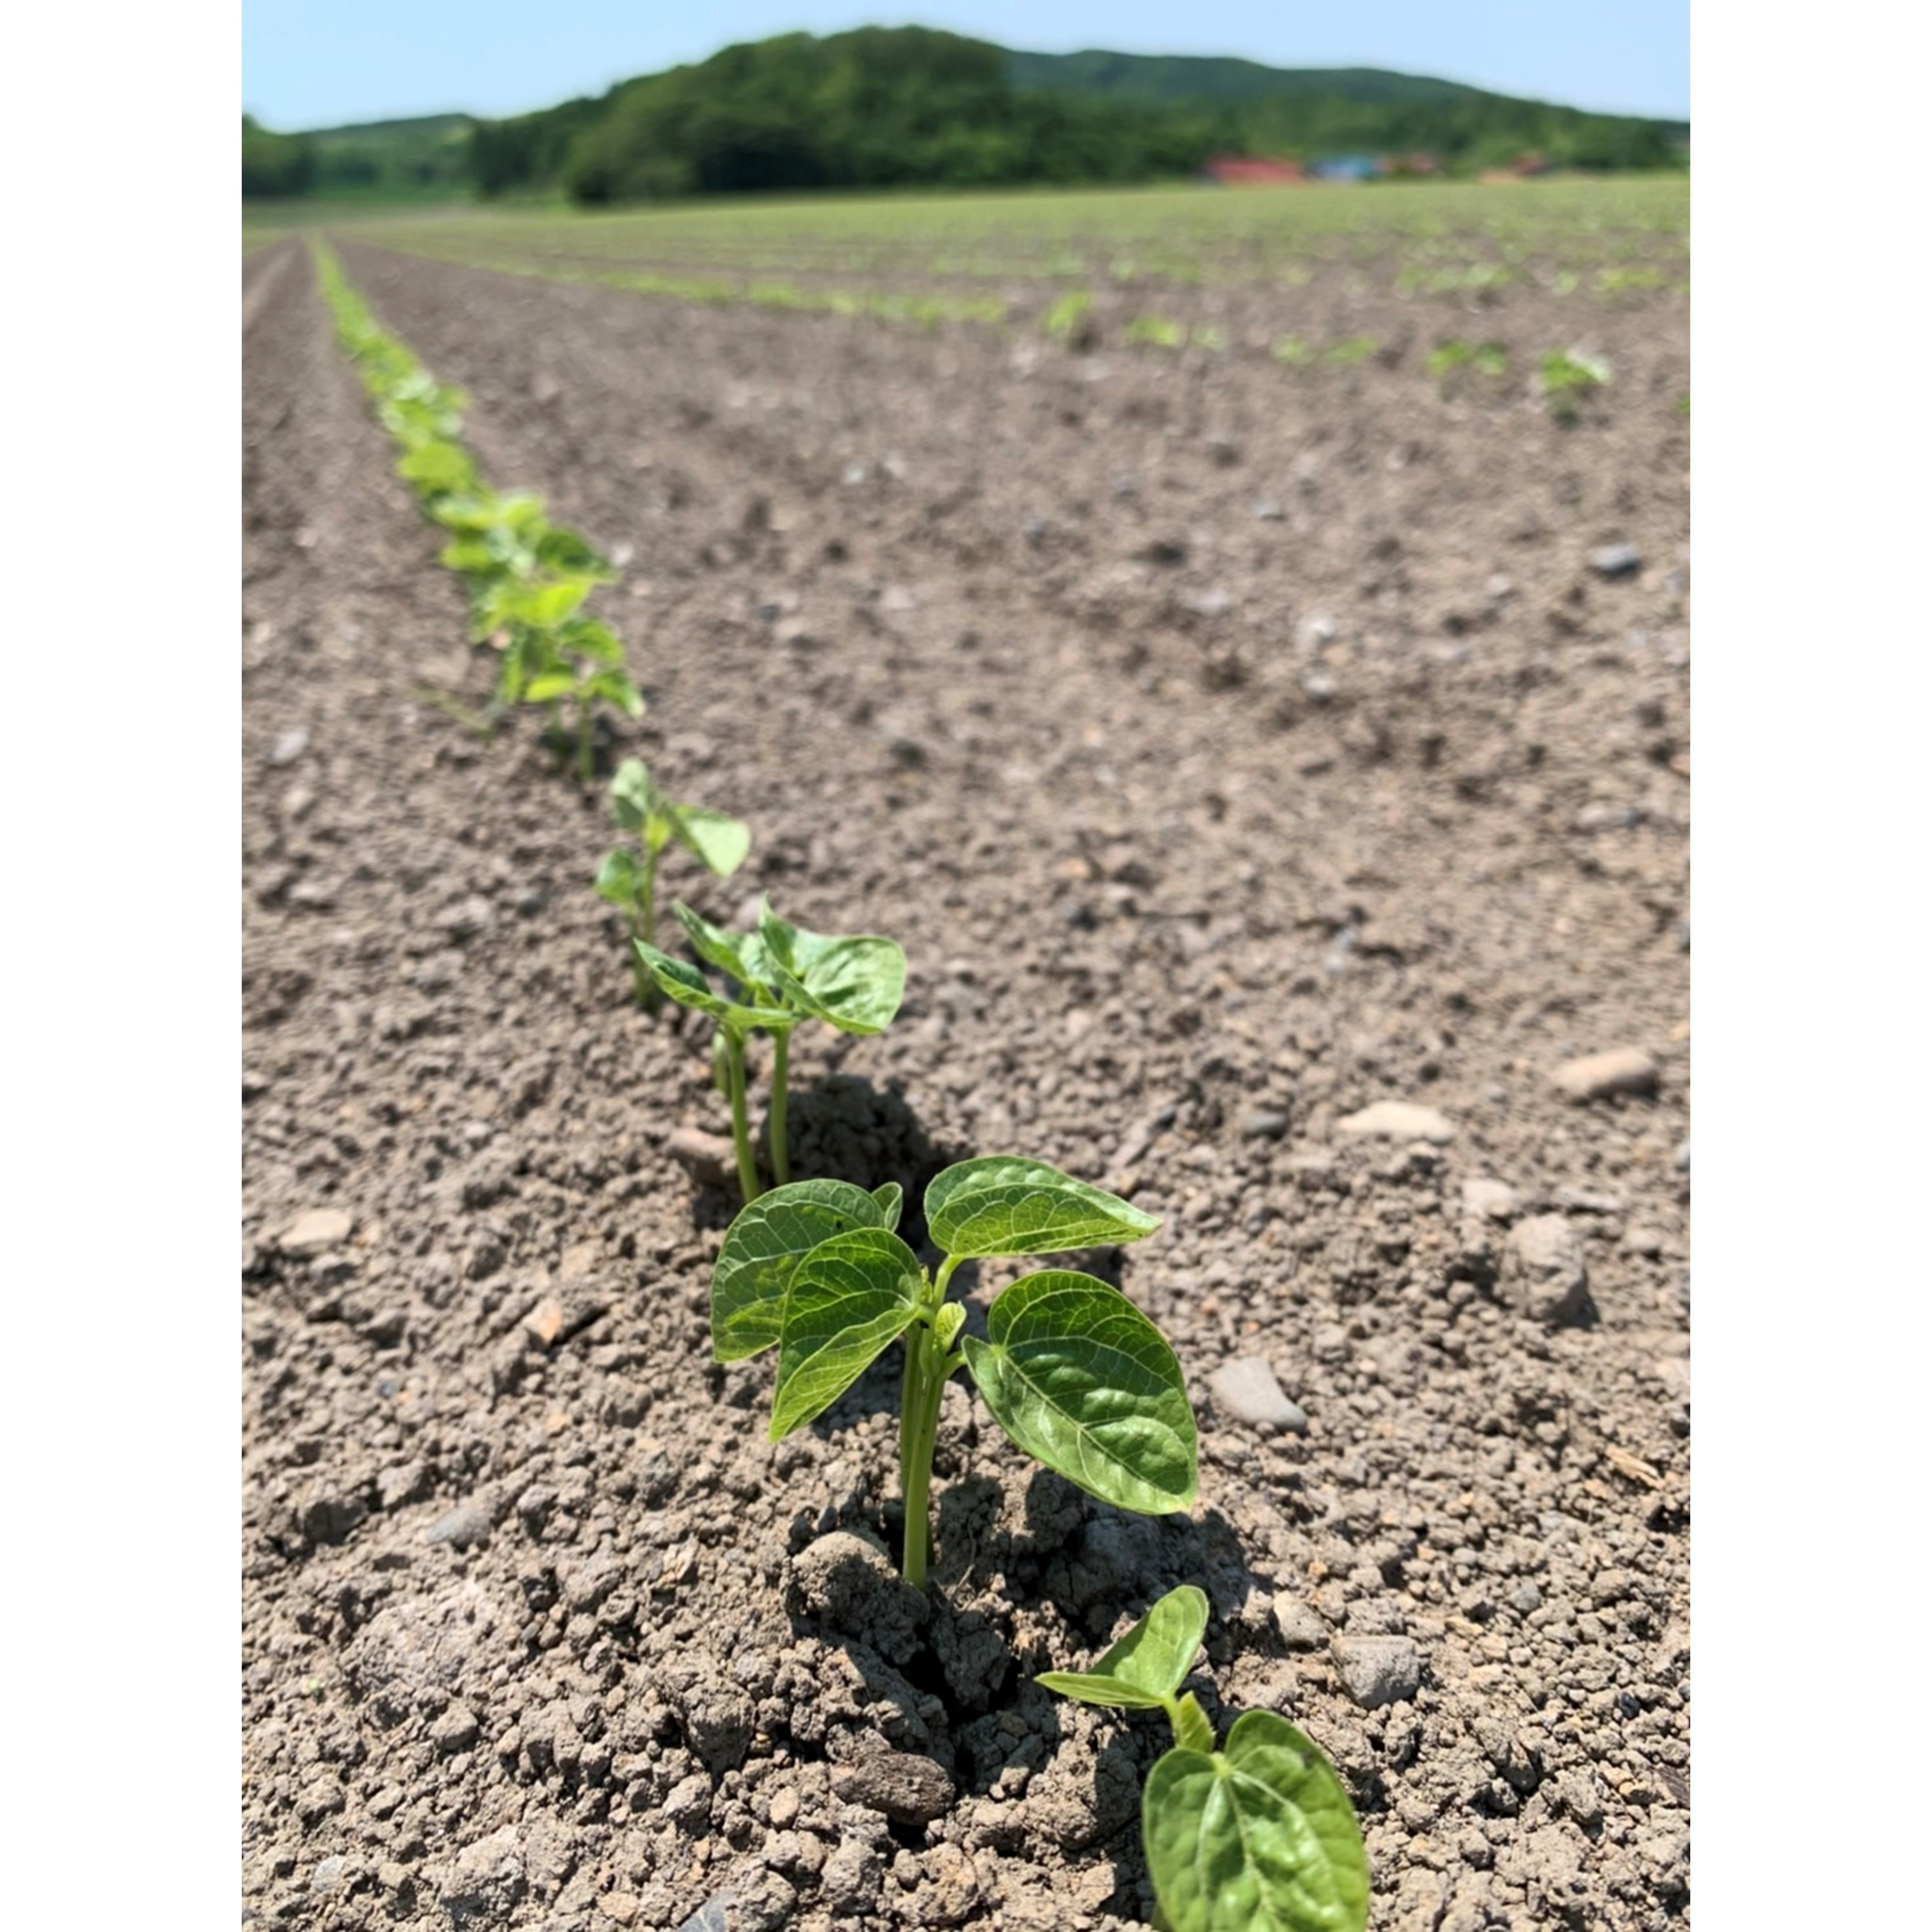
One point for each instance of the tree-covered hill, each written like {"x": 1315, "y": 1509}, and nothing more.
{"x": 882, "y": 107}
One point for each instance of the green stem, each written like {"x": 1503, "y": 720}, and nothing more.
{"x": 647, "y": 899}
{"x": 648, "y": 994}
{"x": 748, "y": 1168}
{"x": 583, "y": 766}
{"x": 781, "y": 1147}
{"x": 927, "y": 1369}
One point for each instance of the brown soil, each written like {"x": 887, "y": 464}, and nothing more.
{"x": 1187, "y": 816}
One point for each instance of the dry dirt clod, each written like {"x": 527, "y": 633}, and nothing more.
{"x": 1247, "y": 1389}
{"x": 1623, "y": 1069}
{"x": 909, "y": 1789}
{"x": 315, "y": 1232}
{"x": 1397, "y": 1120}
{"x": 1377, "y": 1670}
{"x": 709, "y": 1159}
{"x": 1551, "y": 1278}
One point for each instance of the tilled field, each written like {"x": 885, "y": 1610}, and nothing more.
{"x": 1232, "y": 749}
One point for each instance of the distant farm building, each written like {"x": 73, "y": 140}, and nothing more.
{"x": 1246, "y": 171}
{"x": 1347, "y": 168}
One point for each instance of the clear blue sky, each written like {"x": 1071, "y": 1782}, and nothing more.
{"x": 319, "y": 63}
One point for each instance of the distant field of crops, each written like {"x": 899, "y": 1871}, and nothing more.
{"x": 1592, "y": 236}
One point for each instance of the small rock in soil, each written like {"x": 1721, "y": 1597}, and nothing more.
{"x": 289, "y": 747}
{"x": 1263, "y": 1123}
{"x": 1617, "y": 560}
{"x": 713, "y": 1915}
{"x": 1681, "y": 1159}
{"x": 467, "y": 1523}
{"x": 1552, "y": 1282}
{"x": 1399, "y": 1120}
{"x": 1494, "y": 1200}
{"x": 1246, "y": 1388}
{"x": 710, "y": 1161}
{"x": 455, "y": 1730}
{"x": 1299, "y": 1624}
{"x": 484, "y": 1881}
{"x": 1623, "y": 1070}
{"x": 1377, "y": 1670}
{"x": 315, "y": 1232}
{"x": 907, "y": 1788}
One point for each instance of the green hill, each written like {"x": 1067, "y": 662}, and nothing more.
{"x": 1166, "y": 79}
{"x": 882, "y": 107}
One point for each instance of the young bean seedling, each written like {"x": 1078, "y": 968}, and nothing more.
{"x": 1259, "y": 1833}
{"x": 785, "y": 974}
{"x": 1566, "y": 378}
{"x": 1071, "y": 1369}
{"x": 628, "y": 876}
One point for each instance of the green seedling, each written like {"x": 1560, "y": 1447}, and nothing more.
{"x": 1487, "y": 358}
{"x": 1069, "y": 320}
{"x": 1293, "y": 350}
{"x": 784, "y": 975}
{"x": 1157, "y": 330}
{"x": 628, "y": 877}
{"x": 527, "y": 577}
{"x": 1356, "y": 349}
{"x": 1566, "y": 378}
{"x": 1076, "y": 1374}
{"x": 1259, "y": 1833}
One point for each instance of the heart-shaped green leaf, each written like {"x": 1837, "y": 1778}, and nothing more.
{"x": 721, "y": 842}
{"x": 850, "y": 1298}
{"x": 726, "y": 951}
{"x": 854, "y": 984}
{"x": 683, "y": 983}
{"x": 763, "y": 1247}
{"x": 1260, "y": 1838}
{"x": 1089, "y": 1686}
{"x": 588, "y": 637}
{"x": 1148, "y": 1665}
{"x": 634, "y": 798}
{"x": 1001, "y": 1204}
{"x": 1083, "y": 1382}
{"x": 620, "y": 878}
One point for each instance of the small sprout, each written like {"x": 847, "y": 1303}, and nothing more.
{"x": 1260, "y": 1833}
{"x": 627, "y": 877}
{"x": 1566, "y": 377}
{"x": 1157, "y": 330}
{"x": 785, "y": 975}
{"x": 1076, "y": 1374}
{"x": 1070, "y": 320}
{"x": 1487, "y": 358}
{"x": 1356, "y": 349}
{"x": 1292, "y": 350}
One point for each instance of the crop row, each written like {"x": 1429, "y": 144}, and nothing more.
{"x": 1258, "y": 1830}
{"x": 1460, "y": 267}
{"x": 1564, "y": 376}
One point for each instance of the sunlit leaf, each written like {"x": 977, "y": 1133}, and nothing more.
{"x": 1001, "y": 1204}
{"x": 850, "y": 1299}
{"x": 1258, "y": 1837}
{"x": 1083, "y": 1382}
{"x": 764, "y": 1245}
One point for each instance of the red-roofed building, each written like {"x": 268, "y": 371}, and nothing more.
{"x": 1245, "y": 171}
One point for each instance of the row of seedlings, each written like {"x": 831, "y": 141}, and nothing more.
{"x": 1259, "y": 1831}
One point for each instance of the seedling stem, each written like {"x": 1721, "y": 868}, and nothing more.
{"x": 748, "y": 1168}
{"x": 781, "y": 1151}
